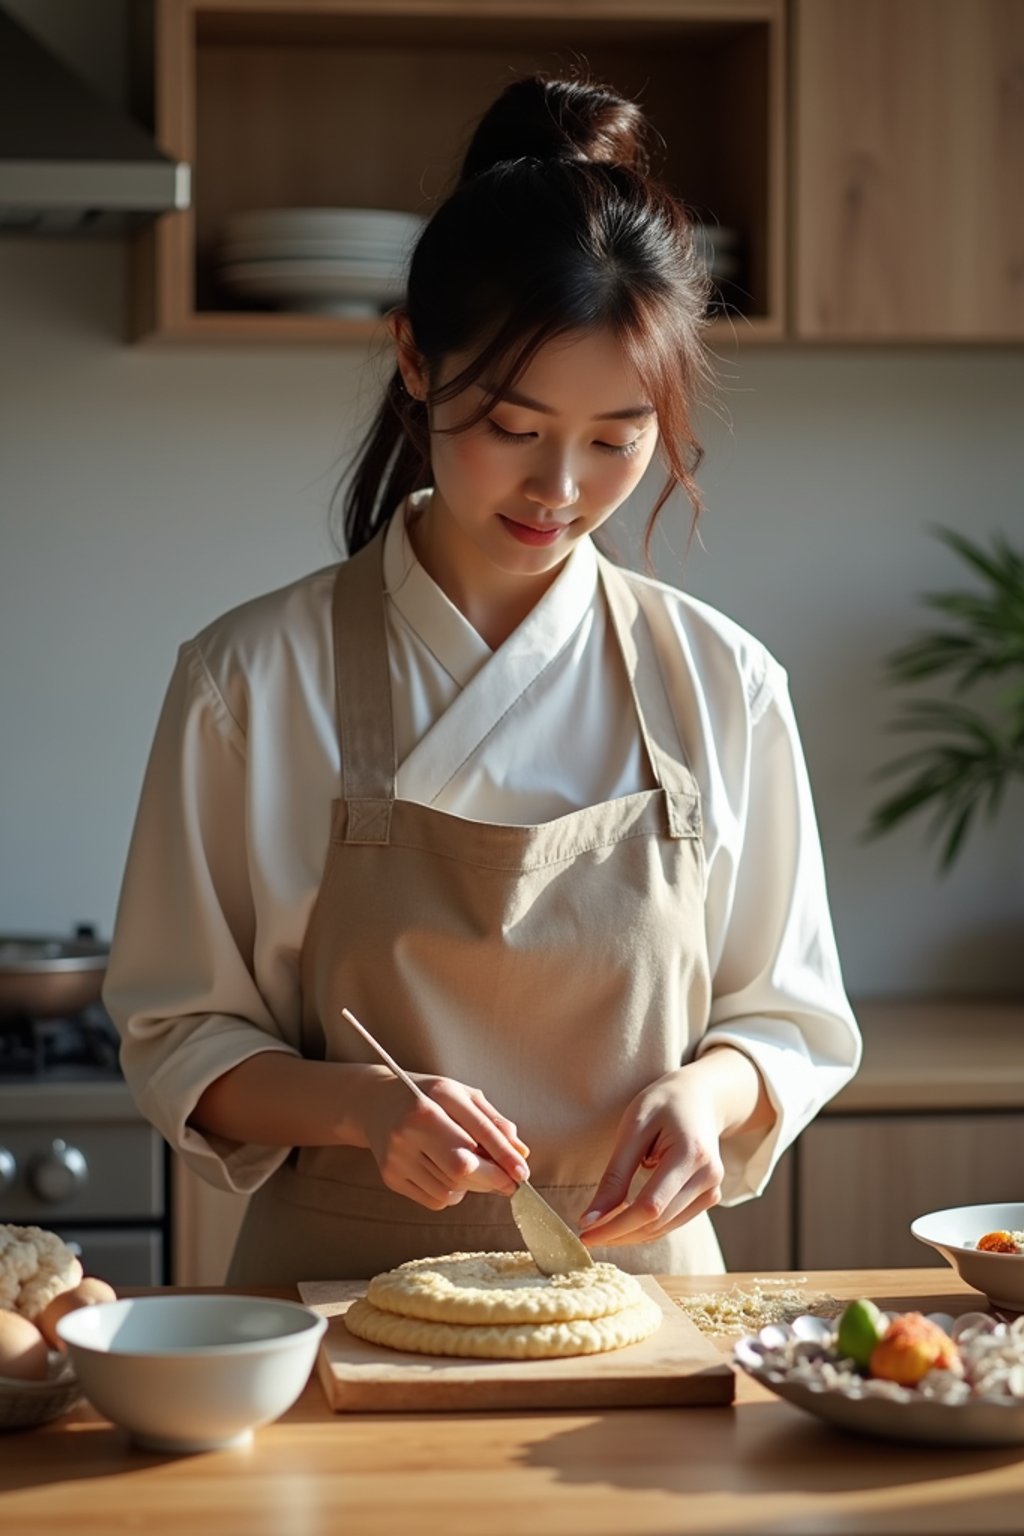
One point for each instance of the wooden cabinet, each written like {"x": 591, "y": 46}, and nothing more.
{"x": 864, "y": 1178}
{"x": 908, "y": 163}
{"x": 898, "y": 123}
{"x": 844, "y": 1197}
{"x": 369, "y": 103}
{"x": 758, "y": 1235}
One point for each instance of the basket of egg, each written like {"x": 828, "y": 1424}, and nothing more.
{"x": 40, "y": 1282}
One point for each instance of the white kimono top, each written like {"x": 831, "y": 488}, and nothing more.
{"x": 232, "y": 829}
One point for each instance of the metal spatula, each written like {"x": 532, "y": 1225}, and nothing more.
{"x": 554, "y": 1247}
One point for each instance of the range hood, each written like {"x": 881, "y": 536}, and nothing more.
{"x": 69, "y": 162}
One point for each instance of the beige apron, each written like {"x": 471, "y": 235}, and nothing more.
{"x": 559, "y": 968}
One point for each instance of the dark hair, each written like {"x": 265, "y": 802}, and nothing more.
{"x": 554, "y": 226}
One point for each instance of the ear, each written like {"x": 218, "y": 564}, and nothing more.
{"x": 410, "y": 361}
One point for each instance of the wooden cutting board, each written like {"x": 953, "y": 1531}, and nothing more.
{"x": 677, "y": 1365}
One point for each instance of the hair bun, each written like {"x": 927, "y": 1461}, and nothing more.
{"x": 558, "y": 119}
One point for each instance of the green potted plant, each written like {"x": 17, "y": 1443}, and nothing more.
{"x": 966, "y": 753}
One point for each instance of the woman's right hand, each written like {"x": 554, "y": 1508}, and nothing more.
{"x": 435, "y": 1152}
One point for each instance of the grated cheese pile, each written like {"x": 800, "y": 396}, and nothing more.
{"x": 744, "y": 1311}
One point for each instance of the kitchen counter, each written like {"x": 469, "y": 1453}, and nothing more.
{"x": 940, "y": 1054}
{"x": 760, "y": 1467}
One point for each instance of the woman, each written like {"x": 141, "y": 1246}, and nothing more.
{"x": 543, "y": 825}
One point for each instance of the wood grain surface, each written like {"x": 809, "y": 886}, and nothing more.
{"x": 907, "y": 170}
{"x": 760, "y": 1467}
{"x": 675, "y": 1366}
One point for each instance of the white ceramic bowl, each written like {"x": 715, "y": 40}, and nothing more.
{"x": 192, "y": 1373}
{"x": 999, "y": 1275}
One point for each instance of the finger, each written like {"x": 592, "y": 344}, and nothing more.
{"x": 502, "y": 1123}
{"x": 457, "y": 1160}
{"x": 423, "y": 1184}
{"x": 463, "y": 1169}
{"x": 510, "y": 1152}
{"x": 704, "y": 1202}
{"x": 652, "y": 1233}
{"x": 589, "y": 1222}
{"x": 679, "y": 1211}
{"x": 439, "y": 1134}
{"x": 422, "y": 1158}
{"x": 508, "y": 1128}
{"x": 433, "y": 1202}
{"x": 487, "y": 1137}
{"x": 612, "y": 1193}
{"x": 491, "y": 1180}
{"x": 654, "y": 1204}
{"x": 446, "y": 1182}
{"x": 428, "y": 1156}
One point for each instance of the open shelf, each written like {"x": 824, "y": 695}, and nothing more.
{"x": 337, "y": 103}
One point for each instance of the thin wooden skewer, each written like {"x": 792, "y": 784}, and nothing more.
{"x": 388, "y": 1060}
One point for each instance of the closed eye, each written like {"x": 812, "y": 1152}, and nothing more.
{"x": 624, "y": 449}
{"x": 509, "y": 437}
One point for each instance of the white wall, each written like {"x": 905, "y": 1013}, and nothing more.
{"x": 143, "y": 490}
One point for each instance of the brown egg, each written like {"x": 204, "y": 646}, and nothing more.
{"x": 23, "y": 1352}
{"x": 85, "y": 1294}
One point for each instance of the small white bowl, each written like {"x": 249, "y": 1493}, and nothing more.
{"x": 192, "y": 1373}
{"x": 1000, "y": 1276}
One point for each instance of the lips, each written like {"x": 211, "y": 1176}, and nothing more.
{"x": 533, "y": 533}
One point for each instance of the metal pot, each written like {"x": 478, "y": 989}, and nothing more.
{"x": 48, "y": 977}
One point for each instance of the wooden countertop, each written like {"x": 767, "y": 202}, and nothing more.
{"x": 760, "y": 1467}
{"x": 937, "y": 1055}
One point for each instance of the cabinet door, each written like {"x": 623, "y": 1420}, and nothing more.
{"x": 758, "y": 1235}
{"x": 908, "y": 168}
{"x": 864, "y": 1179}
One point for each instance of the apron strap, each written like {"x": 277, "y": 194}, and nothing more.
{"x": 658, "y": 726}
{"x": 363, "y": 690}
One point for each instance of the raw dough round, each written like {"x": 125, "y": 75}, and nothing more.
{"x": 503, "y": 1288}
{"x": 510, "y": 1341}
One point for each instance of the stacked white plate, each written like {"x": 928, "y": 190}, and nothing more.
{"x": 325, "y": 261}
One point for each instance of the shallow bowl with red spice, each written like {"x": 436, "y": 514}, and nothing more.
{"x": 984, "y": 1244}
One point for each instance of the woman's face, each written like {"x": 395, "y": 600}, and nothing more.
{"x": 549, "y": 464}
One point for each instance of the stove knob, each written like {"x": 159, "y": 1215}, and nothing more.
{"x": 58, "y": 1174}
{"x": 8, "y": 1168}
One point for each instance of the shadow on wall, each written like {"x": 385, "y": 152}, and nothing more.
{"x": 59, "y": 291}
{"x": 976, "y": 952}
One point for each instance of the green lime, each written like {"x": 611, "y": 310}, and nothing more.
{"x": 860, "y": 1328}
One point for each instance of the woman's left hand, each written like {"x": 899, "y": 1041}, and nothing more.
{"x": 675, "y": 1128}
{"x": 672, "y": 1128}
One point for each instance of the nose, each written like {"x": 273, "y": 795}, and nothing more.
{"x": 553, "y": 486}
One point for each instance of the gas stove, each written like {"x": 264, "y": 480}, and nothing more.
{"x": 81, "y": 1048}
{"x": 76, "y": 1156}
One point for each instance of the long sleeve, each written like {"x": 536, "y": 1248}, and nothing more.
{"x": 180, "y": 983}
{"x": 777, "y": 990}
{"x": 233, "y": 827}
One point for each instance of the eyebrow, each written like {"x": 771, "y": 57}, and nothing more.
{"x": 631, "y": 412}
